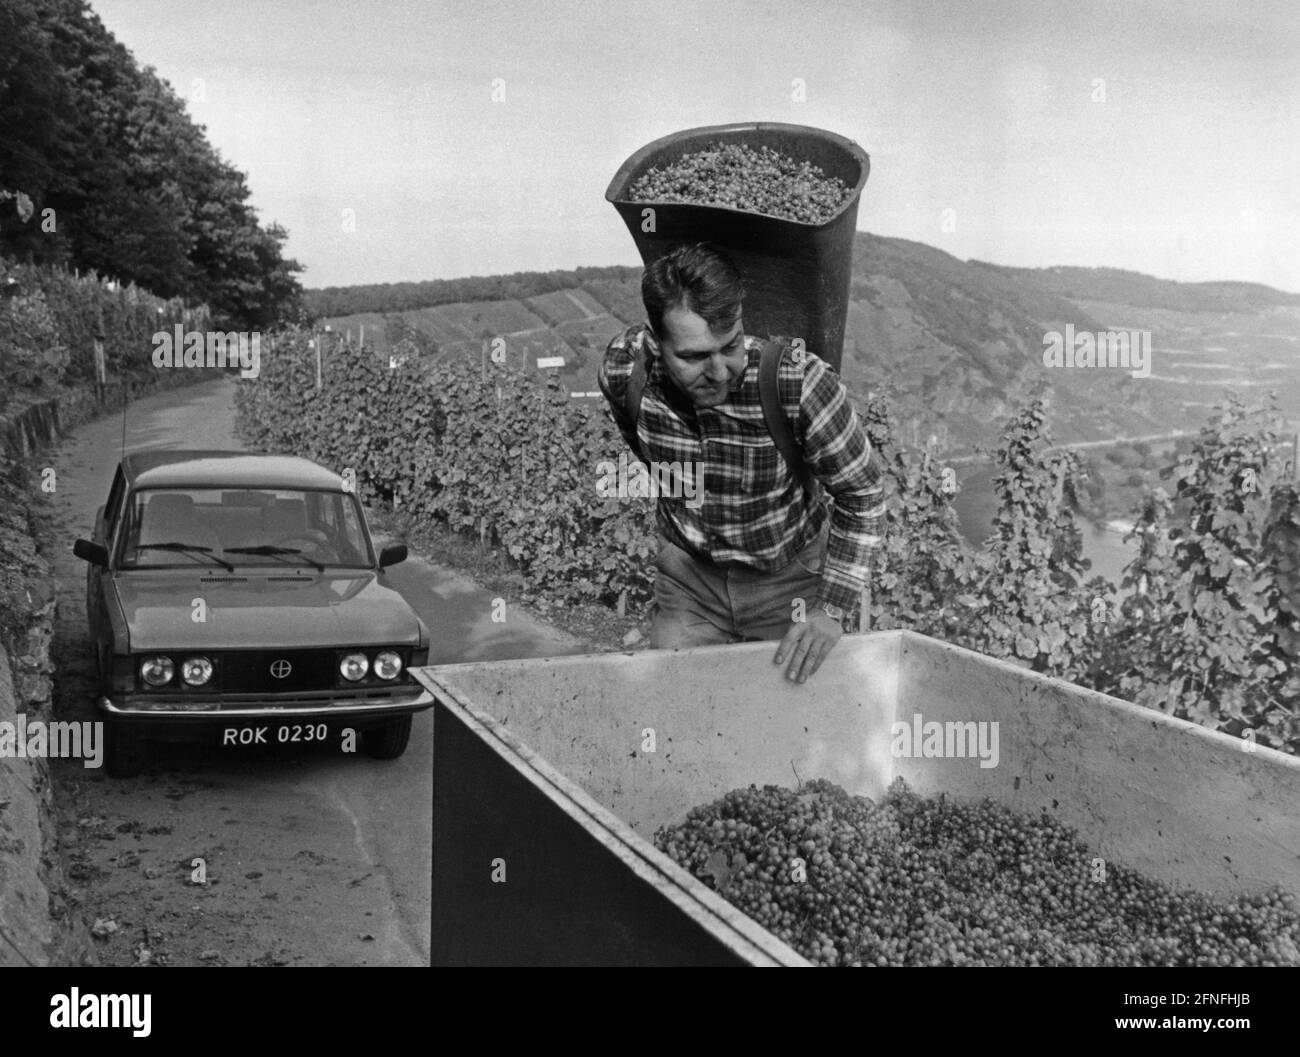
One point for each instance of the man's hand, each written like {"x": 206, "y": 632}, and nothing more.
{"x": 807, "y": 643}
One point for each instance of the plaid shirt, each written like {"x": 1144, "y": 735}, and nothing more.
{"x": 754, "y": 511}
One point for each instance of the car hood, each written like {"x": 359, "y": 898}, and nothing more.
{"x": 260, "y": 610}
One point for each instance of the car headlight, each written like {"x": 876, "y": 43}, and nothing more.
{"x": 196, "y": 670}
{"x": 388, "y": 665}
{"x": 354, "y": 666}
{"x": 157, "y": 671}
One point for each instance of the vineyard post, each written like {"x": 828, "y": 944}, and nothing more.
{"x": 101, "y": 364}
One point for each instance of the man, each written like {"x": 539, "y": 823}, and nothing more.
{"x": 758, "y": 557}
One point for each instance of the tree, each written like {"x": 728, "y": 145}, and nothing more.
{"x": 31, "y": 125}
{"x": 137, "y": 191}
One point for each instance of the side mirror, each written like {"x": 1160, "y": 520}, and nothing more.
{"x": 95, "y": 553}
{"x": 392, "y": 554}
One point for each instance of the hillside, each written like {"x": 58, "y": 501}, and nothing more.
{"x": 956, "y": 343}
{"x": 1134, "y": 288}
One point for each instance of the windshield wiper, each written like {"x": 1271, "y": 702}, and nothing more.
{"x": 188, "y": 549}
{"x": 270, "y": 550}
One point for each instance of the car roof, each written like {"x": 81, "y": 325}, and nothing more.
{"x": 174, "y": 468}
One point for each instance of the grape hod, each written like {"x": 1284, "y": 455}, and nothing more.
{"x": 797, "y": 274}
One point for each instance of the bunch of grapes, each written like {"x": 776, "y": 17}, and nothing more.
{"x": 928, "y": 881}
{"x": 753, "y": 179}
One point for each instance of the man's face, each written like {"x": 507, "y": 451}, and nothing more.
{"x": 703, "y": 364}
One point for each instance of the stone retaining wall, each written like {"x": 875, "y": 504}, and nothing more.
{"x": 29, "y": 859}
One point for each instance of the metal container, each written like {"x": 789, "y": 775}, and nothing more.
{"x": 541, "y": 774}
{"x": 797, "y": 274}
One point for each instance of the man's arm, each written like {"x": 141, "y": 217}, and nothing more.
{"x": 613, "y": 375}
{"x": 837, "y": 450}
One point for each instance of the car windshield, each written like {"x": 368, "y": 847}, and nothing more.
{"x": 220, "y": 527}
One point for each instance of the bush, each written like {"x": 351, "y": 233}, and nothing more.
{"x": 48, "y": 327}
{"x": 1213, "y": 627}
{"x": 485, "y": 450}
{"x": 1208, "y": 628}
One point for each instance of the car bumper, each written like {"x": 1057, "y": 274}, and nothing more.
{"x": 244, "y": 707}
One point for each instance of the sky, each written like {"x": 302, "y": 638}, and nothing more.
{"x": 1160, "y": 137}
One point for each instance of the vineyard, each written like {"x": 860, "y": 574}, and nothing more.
{"x": 1205, "y": 624}
{"x": 50, "y": 318}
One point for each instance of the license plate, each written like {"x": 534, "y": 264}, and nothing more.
{"x": 276, "y": 734}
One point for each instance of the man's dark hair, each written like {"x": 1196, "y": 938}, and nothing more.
{"x": 700, "y": 278}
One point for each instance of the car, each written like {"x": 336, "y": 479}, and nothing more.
{"x": 236, "y": 598}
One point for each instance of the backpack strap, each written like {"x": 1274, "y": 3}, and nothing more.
{"x": 777, "y": 423}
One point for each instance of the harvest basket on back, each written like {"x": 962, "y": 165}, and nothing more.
{"x": 797, "y": 274}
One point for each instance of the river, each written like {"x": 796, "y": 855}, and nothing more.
{"x": 975, "y": 503}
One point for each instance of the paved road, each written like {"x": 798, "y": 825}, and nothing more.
{"x": 310, "y": 858}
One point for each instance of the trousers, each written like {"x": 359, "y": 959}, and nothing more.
{"x": 698, "y": 603}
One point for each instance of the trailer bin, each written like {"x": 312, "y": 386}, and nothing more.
{"x": 546, "y": 795}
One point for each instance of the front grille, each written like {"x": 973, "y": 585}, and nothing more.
{"x": 250, "y": 673}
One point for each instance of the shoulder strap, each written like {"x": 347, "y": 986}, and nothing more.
{"x": 774, "y": 415}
